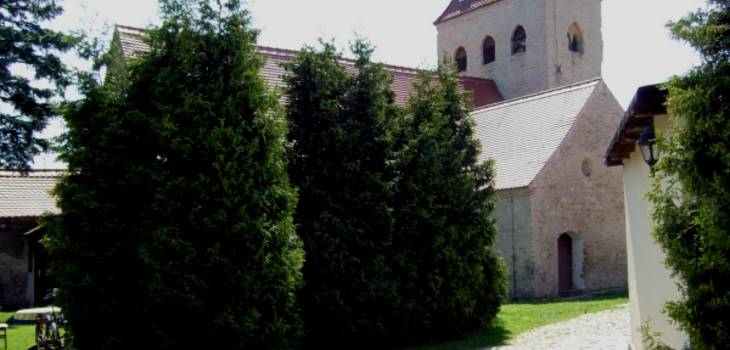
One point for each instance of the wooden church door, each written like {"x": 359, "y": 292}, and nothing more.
{"x": 565, "y": 263}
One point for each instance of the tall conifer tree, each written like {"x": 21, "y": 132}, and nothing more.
{"x": 177, "y": 229}
{"x": 341, "y": 145}
{"x": 451, "y": 281}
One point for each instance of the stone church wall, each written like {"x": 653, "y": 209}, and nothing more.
{"x": 515, "y": 75}
{"x": 576, "y": 193}
{"x": 514, "y": 240}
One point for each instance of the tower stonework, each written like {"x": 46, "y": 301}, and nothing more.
{"x": 563, "y": 43}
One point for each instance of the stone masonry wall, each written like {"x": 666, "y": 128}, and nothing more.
{"x": 13, "y": 262}
{"x": 569, "y": 67}
{"x": 515, "y": 75}
{"x": 547, "y": 62}
{"x": 514, "y": 240}
{"x": 592, "y": 207}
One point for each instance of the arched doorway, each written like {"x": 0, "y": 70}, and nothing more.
{"x": 565, "y": 264}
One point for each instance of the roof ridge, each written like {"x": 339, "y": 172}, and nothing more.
{"x": 291, "y": 52}
{"x": 454, "y": 9}
{"x": 485, "y": 90}
{"x": 35, "y": 173}
{"x": 541, "y": 94}
{"x": 130, "y": 28}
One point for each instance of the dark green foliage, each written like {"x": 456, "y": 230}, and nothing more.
{"x": 26, "y": 44}
{"x": 177, "y": 228}
{"x": 340, "y": 150}
{"x": 451, "y": 282}
{"x": 692, "y": 191}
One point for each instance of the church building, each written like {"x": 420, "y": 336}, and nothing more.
{"x": 542, "y": 113}
{"x": 561, "y": 214}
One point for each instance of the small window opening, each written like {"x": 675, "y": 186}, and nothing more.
{"x": 488, "y": 50}
{"x": 460, "y": 58}
{"x": 575, "y": 39}
{"x": 519, "y": 40}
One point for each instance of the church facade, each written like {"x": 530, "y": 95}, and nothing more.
{"x": 561, "y": 215}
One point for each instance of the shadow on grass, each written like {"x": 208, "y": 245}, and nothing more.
{"x": 495, "y": 335}
{"x": 596, "y": 297}
{"x": 520, "y": 316}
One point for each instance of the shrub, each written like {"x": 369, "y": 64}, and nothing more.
{"x": 451, "y": 281}
{"x": 692, "y": 189}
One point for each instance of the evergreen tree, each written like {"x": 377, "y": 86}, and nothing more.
{"x": 451, "y": 281}
{"x": 341, "y": 146}
{"x": 177, "y": 227}
{"x": 692, "y": 192}
{"x": 25, "y": 43}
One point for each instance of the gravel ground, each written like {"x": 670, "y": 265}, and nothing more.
{"x": 607, "y": 330}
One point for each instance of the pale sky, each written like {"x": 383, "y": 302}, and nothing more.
{"x": 638, "y": 49}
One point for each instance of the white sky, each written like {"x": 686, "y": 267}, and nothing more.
{"x": 638, "y": 49}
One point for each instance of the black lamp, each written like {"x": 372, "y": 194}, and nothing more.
{"x": 648, "y": 146}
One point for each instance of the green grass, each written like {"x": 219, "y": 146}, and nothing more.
{"x": 512, "y": 320}
{"x": 20, "y": 337}
{"x": 519, "y": 317}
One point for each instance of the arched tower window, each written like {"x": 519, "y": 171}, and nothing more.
{"x": 488, "y": 50}
{"x": 519, "y": 40}
{"x": 460, "y": 58}
{"x": 575, "y": 38}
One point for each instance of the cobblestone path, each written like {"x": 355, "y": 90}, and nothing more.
{"x": 607, "y": 330}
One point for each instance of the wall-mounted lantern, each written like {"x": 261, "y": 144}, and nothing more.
{"x": 648, "y": 146}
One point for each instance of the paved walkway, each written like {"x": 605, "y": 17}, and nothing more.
{"x": 607, "y": 330}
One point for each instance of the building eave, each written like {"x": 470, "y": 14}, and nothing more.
{"x": 649, "y": 101}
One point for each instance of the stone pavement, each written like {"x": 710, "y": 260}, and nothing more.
{"x": 607, "y": 330}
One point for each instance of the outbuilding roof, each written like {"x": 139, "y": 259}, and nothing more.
{"x": 27, "y": 195}
{"x": 649, "y": 101}
{"x": 521, "y": 134}
{"x": 485, "y": 91}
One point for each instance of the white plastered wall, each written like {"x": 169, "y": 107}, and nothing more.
{"x": 650, "y": 282}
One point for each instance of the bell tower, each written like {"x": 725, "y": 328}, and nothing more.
{"x": 525, "y": 46}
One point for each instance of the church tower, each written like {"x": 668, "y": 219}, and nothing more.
{"x": 525, "y": 46}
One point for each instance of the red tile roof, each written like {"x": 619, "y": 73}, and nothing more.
{"x": 484, "y": 90}
{"x": 461, "y": 7}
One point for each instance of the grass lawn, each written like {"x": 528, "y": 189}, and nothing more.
{"x": 20, "y": 337}
{"x": 516, "y": 318}
{"x": 512, "y": 320}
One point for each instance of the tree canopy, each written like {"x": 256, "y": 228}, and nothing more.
{"x": 395, "y": 211}
{"x": 451, "y": 281}
{"x": 176, "y": 229}
{"x": 340, "y": 151}
{"x": 27, "y": 45}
